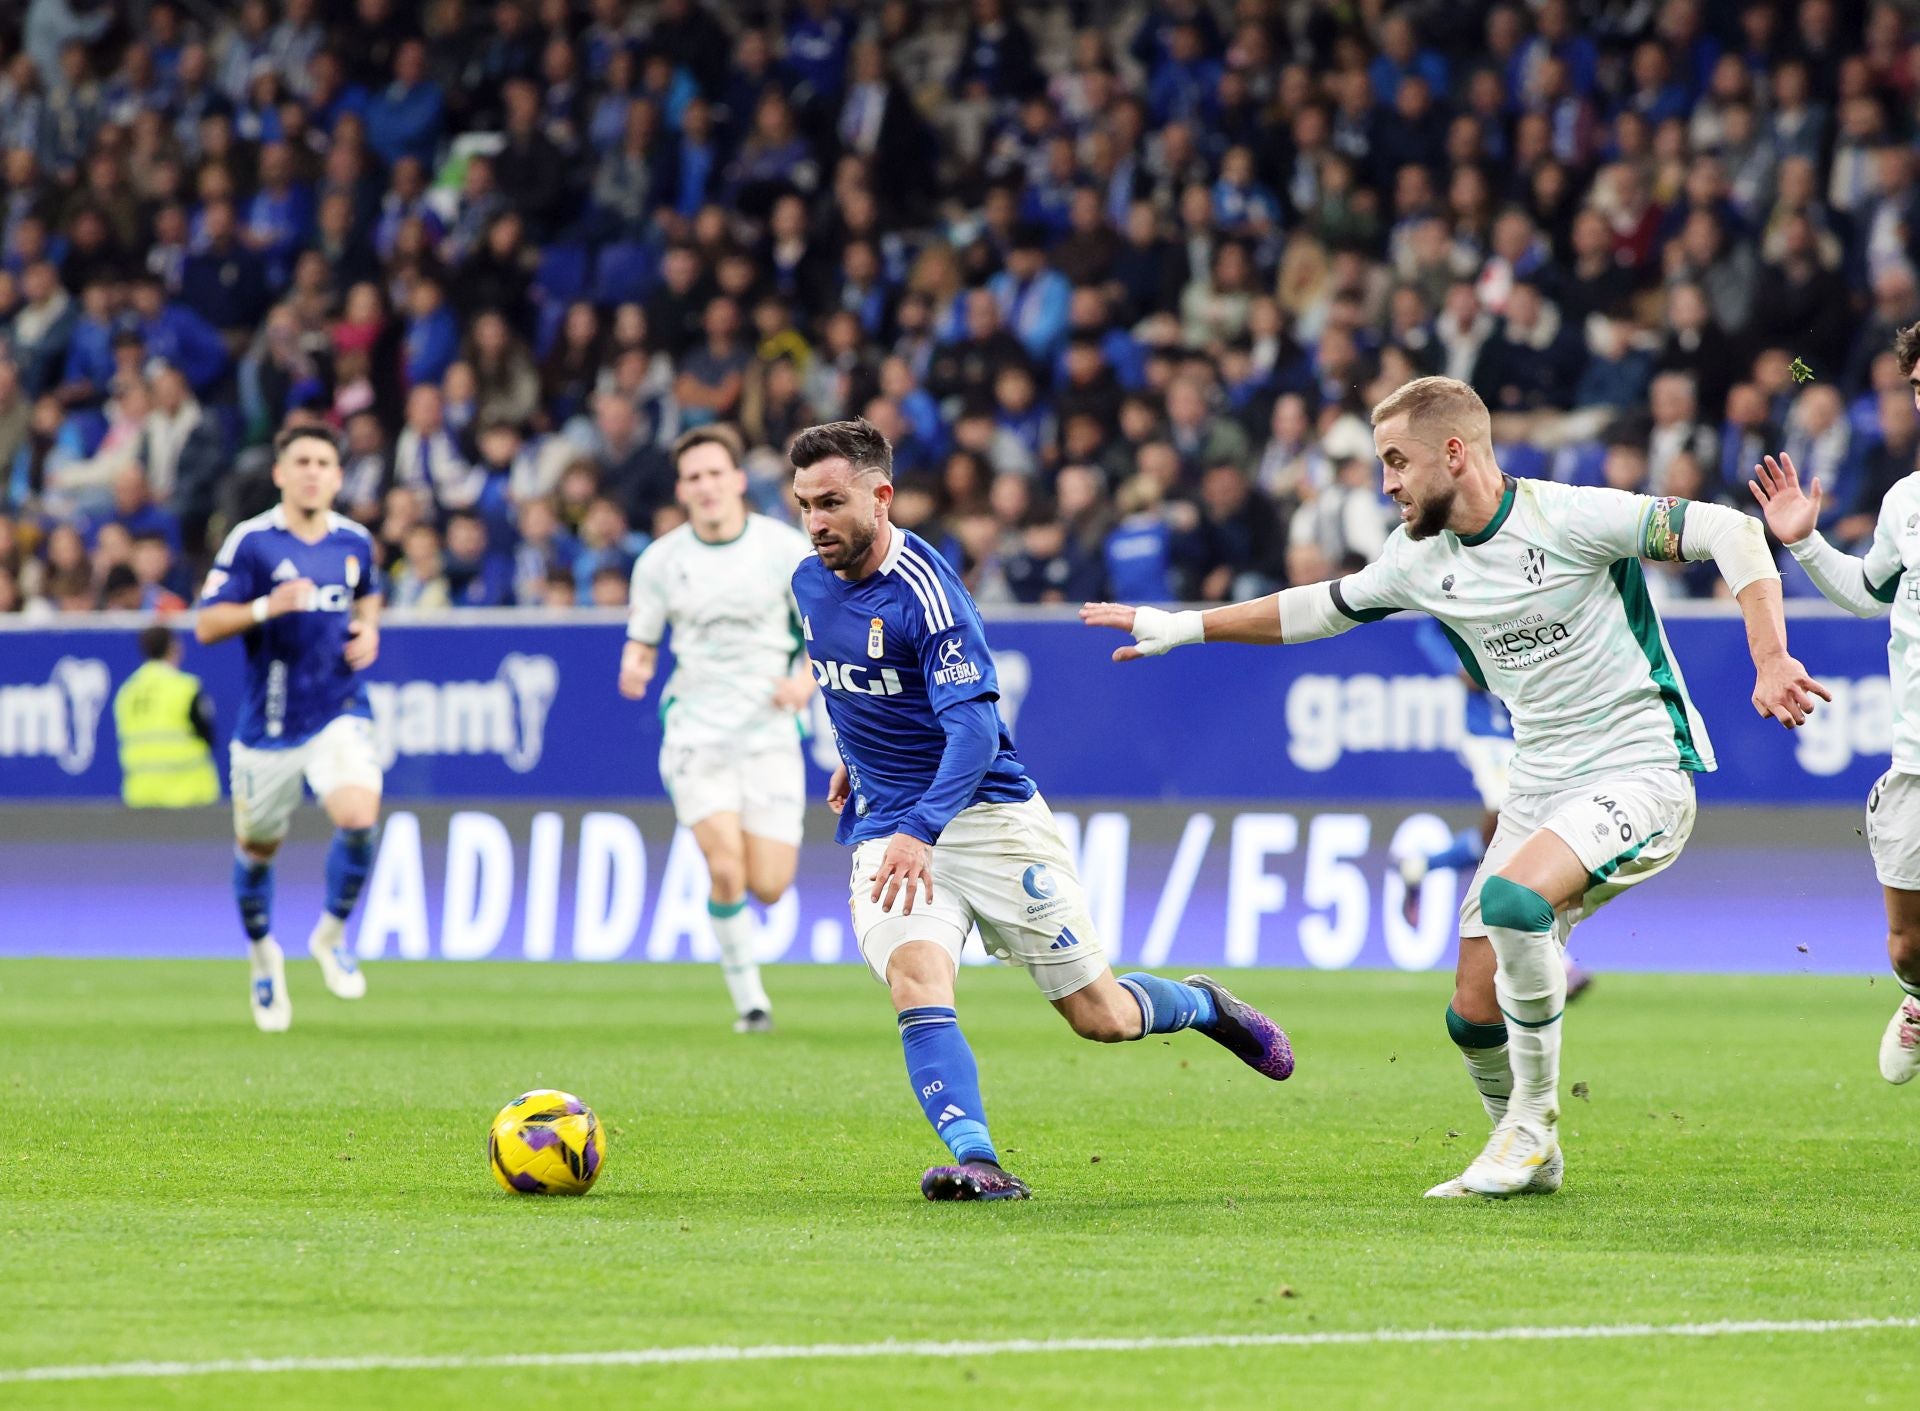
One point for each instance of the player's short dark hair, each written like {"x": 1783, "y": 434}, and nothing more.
{"x": 155, "y": 642}
{"x": 289, "y": 435}
{"x": 717, "y": 434}
{"x": 858, "y": 442}
{"x": 1906, "y": 348}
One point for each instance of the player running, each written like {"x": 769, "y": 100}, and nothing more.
{"x": 1871, "y": 588}
{"x": 1540, "y": 587}
{"x": 730, "y": 757}
{"x": 300, "y": 584}
{"x": 947, "y": 828}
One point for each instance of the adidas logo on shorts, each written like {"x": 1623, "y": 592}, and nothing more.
{"x": 1066, "y": 940}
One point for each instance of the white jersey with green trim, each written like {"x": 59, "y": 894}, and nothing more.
{"x": 736, "y": 630}
{"x": 1888, "y": 579}
{"x": 1548, "y": 608}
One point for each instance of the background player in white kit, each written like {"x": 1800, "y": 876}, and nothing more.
{"x": 1540, "y": 586}
{"x": 300, "y": 584}
{"x": 731, "y": 753}
{"x": 1886, "y": 581}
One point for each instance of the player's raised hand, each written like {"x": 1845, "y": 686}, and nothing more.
{"x": 1155, "y": 631}
{"x": 1783, "y": 690}
{"x": 839, "y": 788}
{"x": 906, "y": 862}
{"x": 295, "y": 595}
{"x": 1791, "y": 513}
{"x": 363, "y": 645}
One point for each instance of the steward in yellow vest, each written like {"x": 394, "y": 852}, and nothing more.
{"x": 165, "y": 724}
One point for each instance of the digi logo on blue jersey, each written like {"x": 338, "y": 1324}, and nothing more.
{"x": 850, "y": 676}
{"x": 1039, "y": 882}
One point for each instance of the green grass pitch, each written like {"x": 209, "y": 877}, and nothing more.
{"x": 178, "y": 1187}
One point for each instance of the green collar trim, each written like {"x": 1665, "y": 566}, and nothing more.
{"x": 1473, "y": 541}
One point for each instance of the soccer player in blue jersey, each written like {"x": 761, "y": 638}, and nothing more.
{"x": 947, "y": 828}
{"x": 300, "y": 585}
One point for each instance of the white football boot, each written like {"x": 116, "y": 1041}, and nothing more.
{"x": 272, "y": 1009}
{"x": 1517, "y": 1154}
{"x": 1900, "y": 1045}
{"x": 328, "y": 946}
{"x": 1546, "y": 1180}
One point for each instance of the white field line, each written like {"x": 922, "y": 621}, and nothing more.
{"x": 811, "y": 1352}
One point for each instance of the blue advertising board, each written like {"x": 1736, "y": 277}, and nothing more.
{"x": 523, "y": 706}
{"x": 1168, "y": 885}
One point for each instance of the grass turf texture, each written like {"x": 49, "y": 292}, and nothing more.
{"x": 182, "y": 1188}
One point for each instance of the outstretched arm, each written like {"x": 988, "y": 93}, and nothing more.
{"x": 1864, "y": 588}
{"x": 1301, "y": 614}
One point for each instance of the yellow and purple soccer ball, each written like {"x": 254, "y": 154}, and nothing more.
{"x": 546, "y": 1142}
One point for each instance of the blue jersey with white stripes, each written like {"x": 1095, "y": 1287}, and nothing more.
{"x": 1486, "y": 713}
{"x": 298, "y": 679}
{"x": 891, "y": 651}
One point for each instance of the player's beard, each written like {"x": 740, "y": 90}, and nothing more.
{"x": 1429, "y": 519}
{"x": 851, "y": 548}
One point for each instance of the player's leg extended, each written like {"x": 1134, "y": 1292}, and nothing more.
{"x": 1033, "y": 911}
{"x": 944, "y": 1076}
{"x": 724, "y": 845}
{"x": 1900, "y": 1045}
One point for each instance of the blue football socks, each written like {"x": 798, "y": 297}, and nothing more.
{"x": 349, "y": 860}
{"x": 1167, "y": 1006}
{"x": 946, "y": 1081}
{"x": 253, "y": 890}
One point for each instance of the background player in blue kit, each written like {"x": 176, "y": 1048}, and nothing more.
{"x": 299, "y": 583}
{"x": 948, "y": 829}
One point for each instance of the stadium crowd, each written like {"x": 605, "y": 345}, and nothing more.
{"x": 1119, "y": 284}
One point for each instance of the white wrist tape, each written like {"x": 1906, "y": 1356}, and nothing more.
{"x": 259, "y": 606}
{"x": 1158, "y": 632}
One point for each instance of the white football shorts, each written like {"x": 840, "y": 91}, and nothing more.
{"x": 1893, "y": 831}
{"x": 766, "y": 786}
{"x": 1624, "y": 828}
{"x": 266, "y": 783}
{"x": 1005, "y": 868}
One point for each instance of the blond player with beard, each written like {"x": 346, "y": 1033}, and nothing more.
{"x": 730, "y": 756}
{"x": 1540, "y": 588}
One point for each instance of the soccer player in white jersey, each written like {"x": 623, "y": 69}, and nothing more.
{"x": 300, "y": 584}
{"x": 731, "y": 752}
{"x": 1540, "y": 587}
{"x": 1887, "y": 581}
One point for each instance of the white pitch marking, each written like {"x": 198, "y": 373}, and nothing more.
{"x": 809, "y": 1352}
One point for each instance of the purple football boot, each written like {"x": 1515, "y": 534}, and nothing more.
{"x": 1246, "y": 1033}
{"x": 972, "y": 1180}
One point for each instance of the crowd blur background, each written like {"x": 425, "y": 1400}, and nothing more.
{"x": 1119, "y": 282}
